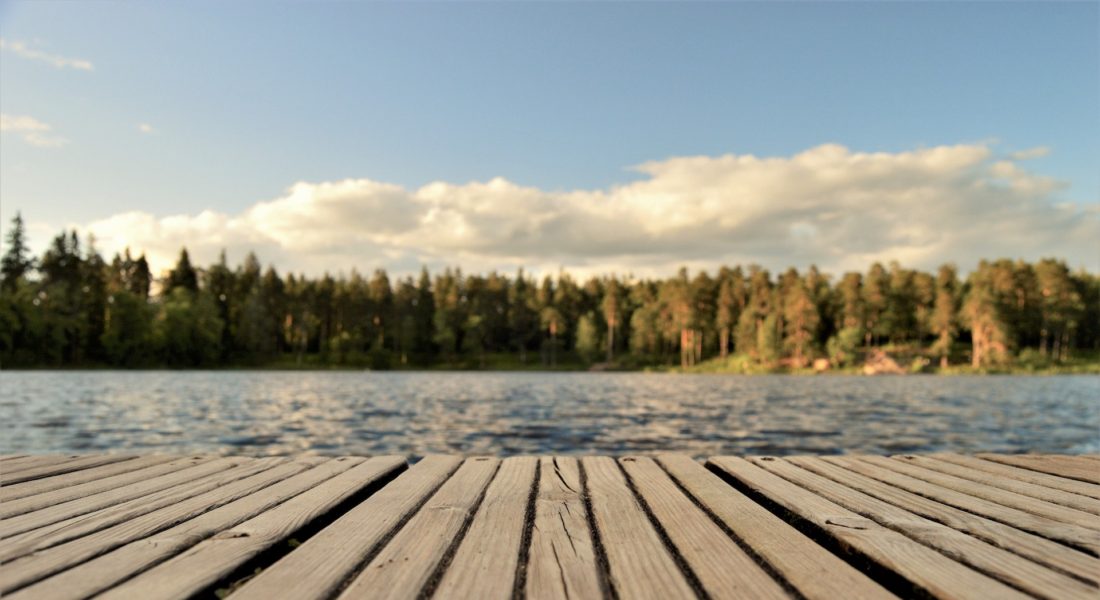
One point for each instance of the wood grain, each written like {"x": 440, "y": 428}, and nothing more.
{"x": 1002, "y": 471}
{"x": 77, "y": 478}
{"x": 52, "y": 469}
{"x": 1074, "y": 501}
{"x": 993, "y": 494}
{"x": 1081, "y": 469}
{"x": 318, "y": 568}
{"x": 219, "y": 555}
{"x": 405, "y": 565}
{"x": 1085, "y": 539}
{"x": 485, "y": 564}
{"x": 922, "y": 567}
{"x": 562, "y": 558}
{"x": 819, "y": 528}
{"x": 639, "y": 564}
{"x": 1034, "y": 547}
{"x": 75, "y": 527}
{"x": 83, "y": 492}
{"x": 17, "y": 464}
{"x": 30, "y": 569}
{"x": 100, "y": 573}
{"x": 84, "y": 505}
{"x": 812, "y": 570}
{"x": 1001, "y": 564}
{"x": 723, "y": 568}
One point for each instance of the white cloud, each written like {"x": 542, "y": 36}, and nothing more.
{"x": 146, "y": 128}
{"x": 33, "y": 131}
{"x": 827, "y": 206}
{"x": 22, "y": 50}
{"x": 1030, "y": 153}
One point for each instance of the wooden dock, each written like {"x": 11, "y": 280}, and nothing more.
{"x": 664, "y": 527}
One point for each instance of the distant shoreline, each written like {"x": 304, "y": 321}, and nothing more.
{"x": 953, "y": 371}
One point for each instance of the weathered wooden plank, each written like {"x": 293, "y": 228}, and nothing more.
{"x": 60, "y": 468}
{"x": 19, "y": 461}
{"x": 1034, "y": 547}
{"x": 812, "y": 570}
{"x": 82, "y": 525}
{"x": 485, "y": 564}
{"x": 81, "y": 506}
{"x": 102, "y": 572}
{"x": 217, "y": 557}
{"x": 406, "y": 564}
{"x": 1005, "y": 566}
{"x": 7, "y": 457}
{"x": 77, "y": 478}
{"x": 1085, "y": 539}
{"x": 1075, "y": 501}
{"x": 562, "y": 557}
{"x": 925, "y": 569}
{"x": 36, "y": 460}
{"x": 723, "y": 568}
{"x": 55, "y": 498}
{"x": 318, "y": 568}
{"x": 639, "y": 564}
{"x": 1062, "y": 466}
{"x": 30, "y": 569}
{"x": 1001, "y": 471}
{"x": 993, "y": 494}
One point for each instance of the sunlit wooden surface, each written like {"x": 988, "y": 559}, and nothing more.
{"x": 667, "y": 526}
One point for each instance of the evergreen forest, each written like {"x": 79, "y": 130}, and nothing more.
{"x": 71, "y": 308}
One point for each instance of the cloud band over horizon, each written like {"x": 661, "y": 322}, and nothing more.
{"x": 828, "y": 205}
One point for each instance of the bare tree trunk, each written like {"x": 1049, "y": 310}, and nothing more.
{"x": 979, "y": 344}
{"x": 610, "y": 342}
{"x": 724, "y": 342}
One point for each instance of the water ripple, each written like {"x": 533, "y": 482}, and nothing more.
{"x": 266, "y": 413}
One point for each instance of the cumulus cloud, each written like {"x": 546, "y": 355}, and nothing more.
{"x": 827, "y": 206}
{"x": 33, "y": 131}
{"x": 1030, "y": 153}
{"x": 22, "y": 50}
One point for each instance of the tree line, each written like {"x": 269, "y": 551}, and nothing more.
{"x": 72, "y": 308}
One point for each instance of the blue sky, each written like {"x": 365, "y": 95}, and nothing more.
{"x": 243, "y": 100}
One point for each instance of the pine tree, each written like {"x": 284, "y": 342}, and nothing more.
{"x": 588, "y": 344}
{"x": 182, "y": 276}
{"x": 982, "y": 311}
{"x": 141, "y": 279}
{"x": 728, "y": 307}
{"x": 876, "y": 290}
{"x": 523, "y": 323}
{"x": 17, "y": 261}
{"x": 424, "y": 315}
{"x": 612, "y": 310}
{"x": 944, "y": 316}
{"x": 1062, "y": 307}
{"x": 800, "y": 319}
{"x": 220, "y": 282}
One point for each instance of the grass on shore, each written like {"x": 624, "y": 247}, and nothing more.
{"x": 911, "y": 359}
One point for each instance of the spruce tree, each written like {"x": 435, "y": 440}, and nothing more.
{"x": 17, "y": 260}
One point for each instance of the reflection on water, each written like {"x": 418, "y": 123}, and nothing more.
{"x": 528, "y": 413}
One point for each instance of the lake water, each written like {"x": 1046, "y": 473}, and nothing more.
{"x": 329, "y": 412}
